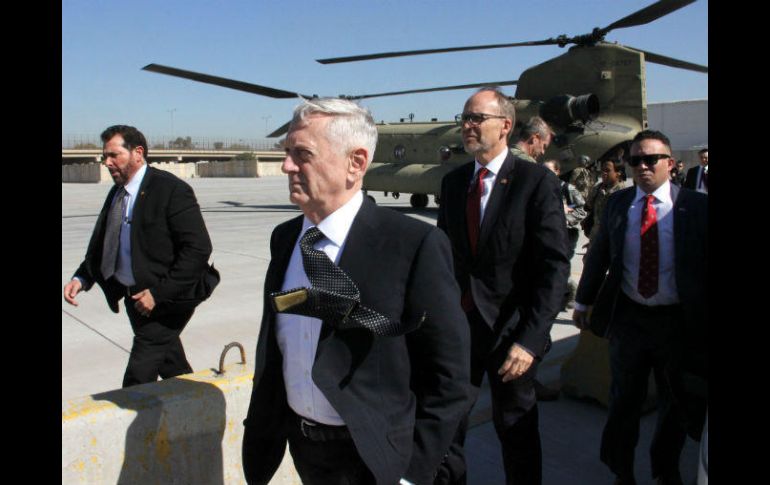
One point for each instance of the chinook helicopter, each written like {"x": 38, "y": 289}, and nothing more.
{"x": 593, "y": 97}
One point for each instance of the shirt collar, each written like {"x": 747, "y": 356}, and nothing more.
{"x": 336, "y": 225}
{"x": 494, "y": 165}
{"x": 132, "y": 187}
{"x": 662, "y": 193}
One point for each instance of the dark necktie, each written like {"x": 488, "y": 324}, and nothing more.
{"x": 112, "y": 233}
{"x": 648, "y": 260}
{"x": 333, "y": 296}
{"x": 473, "y": 208}
{"x": 473, "y": 217}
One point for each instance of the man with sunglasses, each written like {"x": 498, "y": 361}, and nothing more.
{"x": 534, "y": 138}
{"x": 505, "y": 220}
{"x": 644, "y": 286}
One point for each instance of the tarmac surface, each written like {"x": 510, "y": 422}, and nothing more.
{"x": 240, "y": 214}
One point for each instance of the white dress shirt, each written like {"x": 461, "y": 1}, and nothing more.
{"x": 489, "y": 181}
{"x": 667, "y": 293}
{"x": 700, "y": 186}
{"x": 298, "y": 335}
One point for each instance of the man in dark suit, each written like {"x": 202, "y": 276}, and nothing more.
{"x": 357, "y": 404}
{"x": 644, "y": 286}
{"x": 149, "y": 246}
{"x": 697, "y": 176}
{"x": 505, "y": 219}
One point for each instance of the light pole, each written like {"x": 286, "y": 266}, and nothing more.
{"x": 266, "y": 118}
{"x": 172, "y": 122}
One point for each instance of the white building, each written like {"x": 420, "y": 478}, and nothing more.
{"x": 686, "y": 123}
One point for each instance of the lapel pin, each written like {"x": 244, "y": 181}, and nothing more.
{"x": 503, "y": 181}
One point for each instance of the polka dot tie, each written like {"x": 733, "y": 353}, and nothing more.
{"x": 112, "y": 233}
{"x": 333, "y": 296}
{"x": 648, "y": 260}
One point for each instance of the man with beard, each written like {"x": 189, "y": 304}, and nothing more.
{"x": 151, "y": 248}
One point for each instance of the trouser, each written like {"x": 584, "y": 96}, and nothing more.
{"x": 157, "y": 349}
{"x": 514, "y": 414}
{"x": 640, "y": 342}
{"x": 321, "y": 457}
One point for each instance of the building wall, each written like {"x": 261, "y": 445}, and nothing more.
{"x": 686, "y": 123}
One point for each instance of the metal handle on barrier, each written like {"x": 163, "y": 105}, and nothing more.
{"x": 222, "y": 358}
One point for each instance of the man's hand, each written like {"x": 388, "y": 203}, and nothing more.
{"x": 580, "y": 318}
{"x": 144, "y": 302}
{"x": 71, "y": 290}
{"x": 516, "y": 364}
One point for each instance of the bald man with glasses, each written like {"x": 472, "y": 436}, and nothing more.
{"x": 505, "y": 219}
{"x": 644, "y": 287}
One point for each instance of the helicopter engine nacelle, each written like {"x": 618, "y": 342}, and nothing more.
{"x": 564, "y": 110}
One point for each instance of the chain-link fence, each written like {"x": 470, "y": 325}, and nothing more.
{"x": 179, "y": 143}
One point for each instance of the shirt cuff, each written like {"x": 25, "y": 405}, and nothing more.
{"x": 581, "y": 307}
{"x": 404, "y": 481}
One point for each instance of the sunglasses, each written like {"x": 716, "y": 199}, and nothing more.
{"x": 474, "y": 119}
{"x": 649, "y": 160}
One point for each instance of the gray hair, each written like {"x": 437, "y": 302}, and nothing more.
{"x": 351, "y": 125}
{"x": 535, "y": 126}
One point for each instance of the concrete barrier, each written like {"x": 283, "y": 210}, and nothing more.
{"x": 82, "y": 173}
{"x": 185, "y": 430}
{"x": 95, "y": 172}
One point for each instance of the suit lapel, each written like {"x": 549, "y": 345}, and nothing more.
{"x": 495, "y": 202}
{"x": 620, "y": 222}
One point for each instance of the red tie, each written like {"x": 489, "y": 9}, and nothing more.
{"x": 473, "y": 208}
{"x": 648, "y": 260}
{"x": 473, "y": 216}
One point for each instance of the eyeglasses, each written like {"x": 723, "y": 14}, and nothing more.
{"x": 474, "y": 119}
{"x": 649, "y": 160}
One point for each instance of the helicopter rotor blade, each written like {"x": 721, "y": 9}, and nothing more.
{"x": 430, "y": 90}
{"x": 284, "y": 128}
{"x": 670, "y": 61}
{"x": 224, "y": 82}
{"x": 648, "y": 14}
{"x": 383, "y": 55}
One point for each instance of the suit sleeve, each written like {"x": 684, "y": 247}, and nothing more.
{"x": 440, "y": 356}
{"x": 191, "y": 243}
{"x": 548, "y": 265}
{"x": 597, "y": 261}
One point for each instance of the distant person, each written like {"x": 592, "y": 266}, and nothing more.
{"x": 581, "y": 176}
{"x": 644, "y": 287}
{"x": 612, "y": 180}
{"x": 574, "y": 213}
{"x": 534, "y": 138}
{"x": 505, "y": 219}
{"x": 150, "y": 247}
{"x": 697, "y": 176}
{"x": 678, "y": 173}
{"x": 363, "y": 354}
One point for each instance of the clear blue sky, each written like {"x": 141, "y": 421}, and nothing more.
{"x": 275, "y": 43}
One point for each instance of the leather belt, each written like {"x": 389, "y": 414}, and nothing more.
{"x": 315, "y": 431}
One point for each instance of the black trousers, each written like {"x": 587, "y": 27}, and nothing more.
{"x": 328, "y": 462}
{"x": 157, "y": 349}
{"x": 514, "y": 413}
{"x": 642, "y": 341}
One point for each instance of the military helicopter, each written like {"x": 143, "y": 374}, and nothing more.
{"x": 595, "y": 110}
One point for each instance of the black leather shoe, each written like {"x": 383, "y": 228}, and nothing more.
{"x": 543, "y": 393}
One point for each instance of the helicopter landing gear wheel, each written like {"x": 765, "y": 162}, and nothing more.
{"x": 419, "y": 201}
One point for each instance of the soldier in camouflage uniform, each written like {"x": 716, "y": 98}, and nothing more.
{"x": 534, "y": 138}
{"x": 582, "y": 177}
{"x": 613, "y": 177}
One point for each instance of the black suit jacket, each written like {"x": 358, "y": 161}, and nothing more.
{"x": 170, "y": 246}
{"x": 519, "y": 275}
{"x": 600, "y": 283}
{"x": 691, "y": 179}
{"x": 401, "y": 397}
